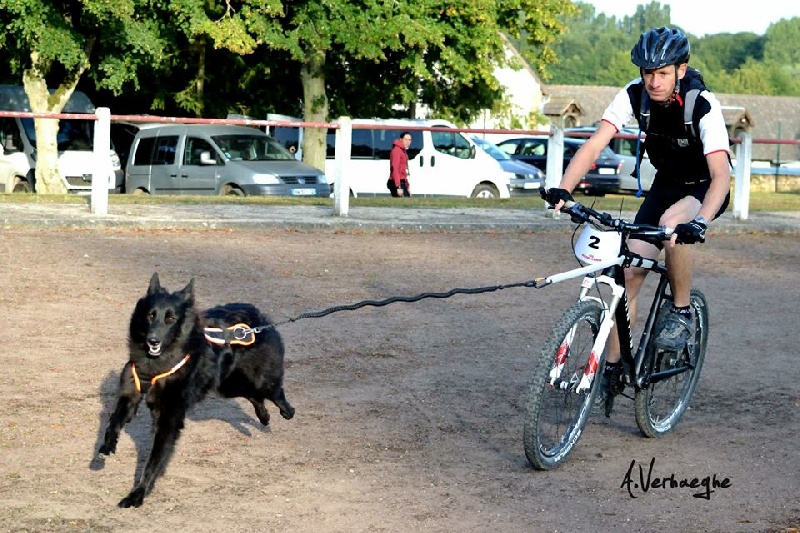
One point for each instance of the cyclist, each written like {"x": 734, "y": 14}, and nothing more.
{"x": 692, "y": 182}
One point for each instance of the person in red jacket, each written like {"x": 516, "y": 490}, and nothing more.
{"x": 398, "y": 166}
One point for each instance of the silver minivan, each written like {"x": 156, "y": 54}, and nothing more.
{"x": 216, "y": 159}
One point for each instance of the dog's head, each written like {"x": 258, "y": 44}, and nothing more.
{"x": 162, "y": 319}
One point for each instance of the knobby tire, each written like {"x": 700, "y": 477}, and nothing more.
{"x": 555, "y": 416}
{"x": 661, "y": 405}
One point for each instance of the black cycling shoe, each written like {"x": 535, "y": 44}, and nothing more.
{"x": 676, "y": 330}
{"x": 604, "y": 402}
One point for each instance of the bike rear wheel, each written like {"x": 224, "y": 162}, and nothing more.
{"x": 661, "y": 405}
{"x": 555, "y": 414}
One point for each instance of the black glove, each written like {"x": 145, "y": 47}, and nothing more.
{"x": 555, "y": 195}
{"x": 691, "y": 232}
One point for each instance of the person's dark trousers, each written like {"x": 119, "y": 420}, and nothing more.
{"x": 395, "y": 191}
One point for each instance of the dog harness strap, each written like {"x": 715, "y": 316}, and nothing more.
{"x": 158, "y": 376}
{"x": 236, "y": 334}
{"x": 136, "y": 378}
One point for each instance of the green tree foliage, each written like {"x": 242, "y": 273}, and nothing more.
{"x": 51, "y": 44}
{"x": 385, "y": 54}
{"x": 596, "y": 51}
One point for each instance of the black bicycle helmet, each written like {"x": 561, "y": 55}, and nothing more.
{"x": 660, "y": 47}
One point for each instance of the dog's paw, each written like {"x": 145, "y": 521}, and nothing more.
{"x": 107, "y": 449}
{"x": 287, "y": 413}
{"x": 134, "y": 499}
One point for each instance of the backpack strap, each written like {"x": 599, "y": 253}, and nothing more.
{"x": 644, "y": 111}
{"x": 688, "y": 112}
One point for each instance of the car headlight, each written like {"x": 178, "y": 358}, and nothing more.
{"x": 115, "y": 163}
{"x": 266, "y": 179}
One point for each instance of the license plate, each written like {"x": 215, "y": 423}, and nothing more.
{"x": 606, "y": 171}
{"x": 303, "y": 192}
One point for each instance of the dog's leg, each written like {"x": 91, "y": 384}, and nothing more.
{"x": 128, "y": 400}
{"x": 261, "y": 411}
{"x": 279, "y": 398}
{"x": 168, "y": 429}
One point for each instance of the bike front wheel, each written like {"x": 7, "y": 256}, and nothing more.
{"x": 661, "y": 404}
{"x": 556, "y": 412}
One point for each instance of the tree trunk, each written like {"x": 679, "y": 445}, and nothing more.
{"x": 48, "y": 176}
{"x": 315, "y": 109}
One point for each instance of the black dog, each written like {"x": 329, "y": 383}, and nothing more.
{"x": 178, "y": 356}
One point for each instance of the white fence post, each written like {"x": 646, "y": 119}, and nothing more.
{"x": 102, "y": 162}
{"x": 555, "y": 160}
{"x": 741, "y": 184}
{"x": 341, "y": 188}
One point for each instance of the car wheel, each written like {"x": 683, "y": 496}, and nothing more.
{"x": 483, "y": 190}
{"x": 232, "y": 190}
{"x": 23, "y": 186}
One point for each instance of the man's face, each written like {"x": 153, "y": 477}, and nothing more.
{"x": 406, "y": 140}
{"x": 660, "y": 83}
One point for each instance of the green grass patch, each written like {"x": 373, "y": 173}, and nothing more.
{"x": 759, "y": 201}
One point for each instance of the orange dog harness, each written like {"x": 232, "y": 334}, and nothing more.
{"x": 155, "y": 378}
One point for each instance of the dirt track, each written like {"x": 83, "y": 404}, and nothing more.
{"x": 409, "y": 417}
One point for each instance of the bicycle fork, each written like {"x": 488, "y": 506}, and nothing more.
{"x": 606, "y": 323}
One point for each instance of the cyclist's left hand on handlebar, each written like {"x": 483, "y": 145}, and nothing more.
{"x": 555, "y": 196}
{"x": 690, "y": 232}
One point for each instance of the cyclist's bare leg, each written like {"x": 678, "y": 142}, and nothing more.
{"x": 634, "y": 278}
{"x": 679, "y": 259}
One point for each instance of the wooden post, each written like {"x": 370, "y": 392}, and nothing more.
{"x": 555, "y": 161}
{"x": 341, "y": 189}
{"x": 741, "y": 184}
{"x": 102, "y": 162}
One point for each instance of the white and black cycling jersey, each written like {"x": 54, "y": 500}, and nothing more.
{"x": 675, "y": 148}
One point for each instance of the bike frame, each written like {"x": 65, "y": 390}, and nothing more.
{"x": 611, "y": 274}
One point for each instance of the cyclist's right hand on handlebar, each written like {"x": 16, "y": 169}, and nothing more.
{"x": 555, "y": 196}
{"x": 690, "y": 233}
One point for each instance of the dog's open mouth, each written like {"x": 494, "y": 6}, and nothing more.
{"x": 154, "y": 348}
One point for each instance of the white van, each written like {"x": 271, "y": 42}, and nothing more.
{"x": 441, "y": 163}
{"x": 75, "y": 146}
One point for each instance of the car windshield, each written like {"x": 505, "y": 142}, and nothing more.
{"x": 73, "y": 134}
{"x": 492, "y": 150}
{"x": 252, "y": 148}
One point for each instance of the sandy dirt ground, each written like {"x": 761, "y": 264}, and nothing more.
{"x": 409, "y": 416}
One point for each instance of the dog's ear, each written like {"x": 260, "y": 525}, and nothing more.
{"x": 155, "y": 285}
{"x": 188, "y": 291}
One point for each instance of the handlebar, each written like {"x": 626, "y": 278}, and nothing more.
{"x": 580, "y": 213}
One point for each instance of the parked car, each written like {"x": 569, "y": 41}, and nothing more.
{"x": 75, "y": 138}
{"x": 524, "y": 178}
{"x": 216, "y": 159}
{"x": 602, "y": 178}
{"x": 626, "y": 150}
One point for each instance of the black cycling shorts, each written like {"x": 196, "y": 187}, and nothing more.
{"x": 663, "y": 195}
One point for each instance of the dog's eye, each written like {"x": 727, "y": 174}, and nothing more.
{"x": 151, "y": 316}
{"x": 169, "y": 318}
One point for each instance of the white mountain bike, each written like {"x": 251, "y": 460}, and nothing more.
{"x": 566, "y": 379}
